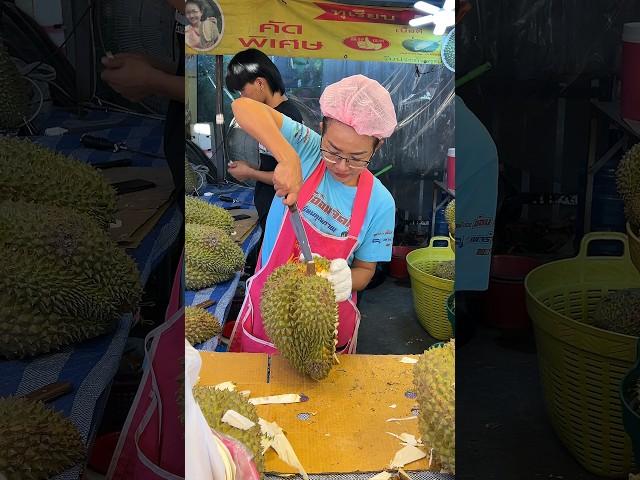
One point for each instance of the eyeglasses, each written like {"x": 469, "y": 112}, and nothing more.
{"x": 351, "y": 163}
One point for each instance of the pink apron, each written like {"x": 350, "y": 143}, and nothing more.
{"x": 151, "y": 444}
{"x": 248, "y": 333}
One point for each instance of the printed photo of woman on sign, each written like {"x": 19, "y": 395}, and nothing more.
{"x": 206, "y": 24}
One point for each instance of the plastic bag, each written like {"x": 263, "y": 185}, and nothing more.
{"x": 209, "y": 454}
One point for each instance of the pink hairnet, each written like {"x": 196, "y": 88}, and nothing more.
{"x": 361, "y": 103}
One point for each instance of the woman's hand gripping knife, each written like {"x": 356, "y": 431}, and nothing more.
{"x": 264, "y": 123}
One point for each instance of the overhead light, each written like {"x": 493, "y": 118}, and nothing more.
{"x": 441, "y": 17}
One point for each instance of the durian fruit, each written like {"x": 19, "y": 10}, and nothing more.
{"x": 450, "y": 217}
{"x": 62, "y": 279}
{"x": 36, "y": 174}
{"x": 36, "y": 442}
{"x": 628, "y": 183}
{"x": 191, "y": 181}
{"x": 446, "y": 270}
{"x": 14, "y": 98}
{"x": 619, "y": 312}
{"x": 434, "y": 378}
{"x": 300, "y": 317}
{"x": 202, "y": 212}
{"x": 214, "y": 404}
{"x": 211, "y": 256}
{"x": 200, "y": 325}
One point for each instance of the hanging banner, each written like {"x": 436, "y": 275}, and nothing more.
{"x": 303, "y": 28}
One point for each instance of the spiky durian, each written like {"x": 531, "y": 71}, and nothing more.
{"x": 14, "y": 99}
{"x": 446, "y": 270}
{"x": 36, "y": 442}
{"x": 628, "y": 182}
{"x": 211, "y": 256}
{"x": 619, "y": 312}
{"x": 35, "y": 174}
{"x": 203, "y": 213}
{"x": 214, "y": 404}
{"x": 435, "y": 382}
{"x": 190, "y": 179}
{"x": 62, "y": 279}
{"x": 301, "y": 317}
{"x": 450, "y": 216}
{"x": 200, "y": 325}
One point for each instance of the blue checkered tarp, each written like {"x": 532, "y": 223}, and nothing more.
{"x": 222, "y": 294}
{"x": 91, "y": 365}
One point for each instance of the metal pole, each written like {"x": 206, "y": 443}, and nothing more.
{"x": 219, "y": 144}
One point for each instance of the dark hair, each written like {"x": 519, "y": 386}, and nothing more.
{"x": 200, "y": 5}
{"x": 250, "y": 64}
{"x": 325, "y": 122}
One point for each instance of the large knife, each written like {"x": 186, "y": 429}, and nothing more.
{"x": 301, "y": 236}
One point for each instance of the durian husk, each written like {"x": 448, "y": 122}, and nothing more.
{"x": 300, "y": 317}
{"x": 435, "y": 382}
{"x": 75, "y": 287}
{"x": 14, "y": 97}
{"x": 36, "y": 442}
{"x": 619, "y": 312}
{"x": 200, "y": 325}
{"x": 201, "y": 212}
{"x": 211, "y": 256}
{"x": 628, "y": 183}
{"x": 214, "y": 403}
{"x": 38, "y": 175}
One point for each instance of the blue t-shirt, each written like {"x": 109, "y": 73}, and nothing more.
{"x": 476, "y": 198}
{"x": 329, "y": 209}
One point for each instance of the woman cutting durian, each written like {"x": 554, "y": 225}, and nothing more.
{"x": 348, "y": 215}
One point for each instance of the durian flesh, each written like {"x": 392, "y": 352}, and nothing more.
{"x": 300, "y": 317}
{"x": 200, "y": 325}
{"x": 36, "y": 443}
{"x": 435, "y": 382}
{"x": 619, "y": 312}
{"x": 35, "y": 174}
{"x": 211, "y": 256}
{"x": 62, "y": 279}
{"x": 202, "y": 212}
{"x": 214, "y": 404}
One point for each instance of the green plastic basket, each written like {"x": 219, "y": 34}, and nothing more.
{"x": 451, "y": 311}
{"x": 634, "y": 246}
{"x": 430, "y": 293}
{"x": 581, "y": 366}
{"x": 630, "y": 417}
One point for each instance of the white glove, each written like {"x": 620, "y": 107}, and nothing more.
{"x": 339, "y": 275}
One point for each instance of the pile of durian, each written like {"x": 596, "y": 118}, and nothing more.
{"x": 300, "y": 316}
{"x": 63, "y": 279}
{"x": 628, "y": 183}
{"x": 445, "y": 269}
{"x": 211, "y": 255}
{"x": 14, "y": 97}
{"x": 450, "y": 217}
{"x": 619, "y": 312}
{"x": 434, "y": 377}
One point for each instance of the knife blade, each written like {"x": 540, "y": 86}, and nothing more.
{"x": 301, "y": 236}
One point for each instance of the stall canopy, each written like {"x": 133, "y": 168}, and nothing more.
{"x": 324, "y": 29}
